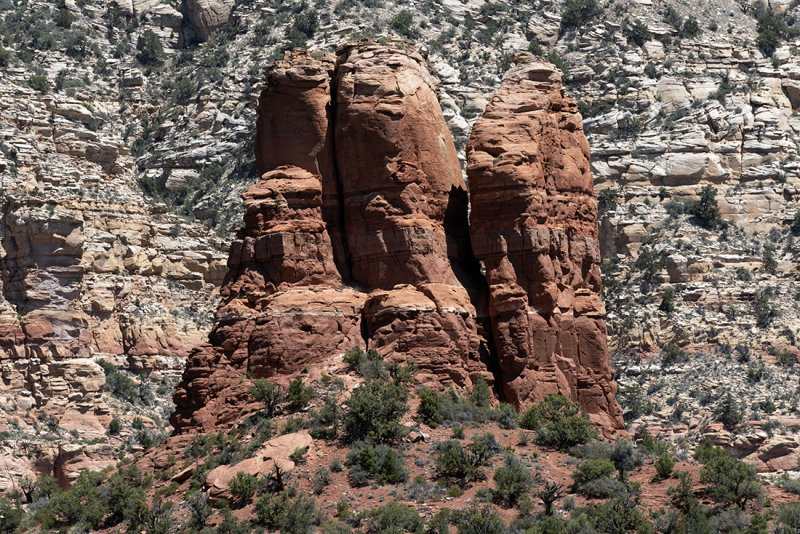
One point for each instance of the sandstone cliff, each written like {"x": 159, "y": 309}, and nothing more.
{"x": 357, "y": 234}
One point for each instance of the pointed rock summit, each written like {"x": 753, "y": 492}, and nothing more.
{"x": 359, "y": 234}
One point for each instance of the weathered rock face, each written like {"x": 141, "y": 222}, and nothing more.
{"x": 534, "y": 226}
{"x": 358, "y": 234}
{"x": 89, "y": 269}
{"x": 207, "y": 15}
{"x": 405, "y": 202}
{"x": 67, "y": 302}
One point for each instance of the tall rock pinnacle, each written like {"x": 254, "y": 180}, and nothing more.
{"x": 534, "y": 227}
{"x": 358, "y": 234}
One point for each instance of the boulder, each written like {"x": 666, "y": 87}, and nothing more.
{"x": 275, "y": 452}
{"x": 208, "y": 15}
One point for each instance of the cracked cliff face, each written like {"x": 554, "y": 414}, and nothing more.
{"x": 358, "y": 234}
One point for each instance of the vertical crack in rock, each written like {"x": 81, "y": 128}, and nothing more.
{"x": 402, "y": 188}
{"x": 534, "y": 225}
{"x": 283, "y": 305}
{"x": 360, "y": 184}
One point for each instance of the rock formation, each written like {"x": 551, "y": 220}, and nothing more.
{"x": 357, "y": 234}
{"x": 206, "y": 16}
{"x": 534, "y": 226}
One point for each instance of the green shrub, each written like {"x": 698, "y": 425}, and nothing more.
{"x": 772, "y": 29}
{"x": 403, "y": 23}
{"x": 652, "y": 446}
{"x": 299, "y": 395}
{"x": 617, "y": 515}
{"x": 673, "y": 18}
{"x": 789, "y": 518}
{"x": 183, "y": 90}
{"x": 730, "y": 481}
{"x": 667, "y": 301}
{"x": 64, "y": 18}
{"x": 114, "y": 426}
{"x": 299, "y": 455}
{"x": 46, "y": 487}
{"x": 648, "y": 263}
{"x": 728, "y": 413}
{"x": 5, "y": 58}
{"x": 38, "y": 82}
{"x": 578, "y": 13}
{"x": 401, "y": 374}
{"x": 706, "y": 209}
{"x": 690, "y": 27}
{"x": 763, "y": 310}
{"x": 271, "y": 395}
{"x": 794, "y": 227}
{"x": 477, "y": 519}
{"x": 118, "y": 384}
{"x": 322, "y": 478}
{"x": 625, "y": 457}
{"x": 633, "y": 402}
{"x": 506, "y": 416}
{"x": 792, "y": 485}
{"x": 672, "y": 354}
{"x": 11, "y": 515}
{"x": 770, "y": 263}
{"x": 125, "y": 497}
{"x": 592, "y": 469}
{"x": 380, "y": 463}
{"x": 555, "y": 58}
{"x": 635, "y": 31}
{"x": 149, "y": 50}
{"x": 535, "y": 48}
{"x": 325, "y": 424}
{"x": 512, "y": 479}
{"x": 451, "y": 409}
{"x": 288, "y": 513}
{"x": 375, "y": 410}
{"x": 243, "y": 487}
{"x": 592, "y": 478}
{"x": 664, "y": 466}
{"x": 303, "y": 27}
{"x": 480, "y": 396}
{"x": 602, "y": 488}
{"x": 395, "y": 518}
{"x": 460, "y": 463}
{"x": 607, "y": 200}
{"x": 231, "y": 525}
{"x": 559, "y": 423}
{"x": 430, "y": 407}
{"x": 368, "y": 364}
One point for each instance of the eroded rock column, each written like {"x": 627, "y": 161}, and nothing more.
{"x": 405, "y": 206}
{"x": 283, "y": 301}
{"x": 534, "y": 226}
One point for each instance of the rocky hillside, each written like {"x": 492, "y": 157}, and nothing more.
{"x": 279, "y": 429}
{"x": 127, "y": 136}
{"x": 95, "y": 277}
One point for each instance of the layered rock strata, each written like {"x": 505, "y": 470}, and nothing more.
{"x": 88, "y": 270}
{"x": 357, "y": 234}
